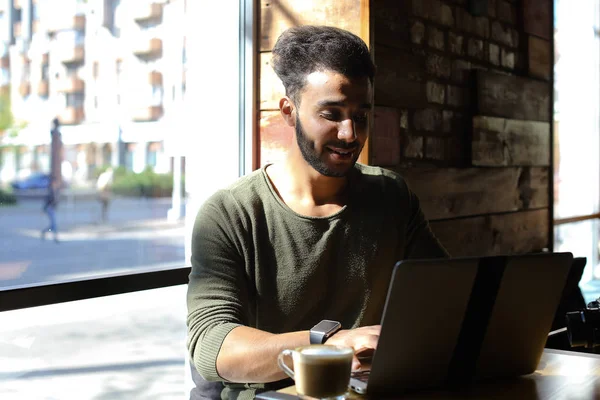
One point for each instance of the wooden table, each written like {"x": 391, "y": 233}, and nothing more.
{"x": 560, "y": 375}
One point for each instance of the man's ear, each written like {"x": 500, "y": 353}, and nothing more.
{"x": 288, "y": 110}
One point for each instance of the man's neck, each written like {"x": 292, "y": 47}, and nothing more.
{"x": 305, "y": 190}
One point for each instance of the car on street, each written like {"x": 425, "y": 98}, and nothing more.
{"x": 36, "y": 180}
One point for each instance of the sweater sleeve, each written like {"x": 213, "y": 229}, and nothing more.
{"x": 420, "y": 240}
{"x": 217, "y": 296}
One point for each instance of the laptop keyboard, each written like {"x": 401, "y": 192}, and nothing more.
{"x": 362, "y": 376}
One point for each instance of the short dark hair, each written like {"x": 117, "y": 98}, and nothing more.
{"x": 302, "y": 50}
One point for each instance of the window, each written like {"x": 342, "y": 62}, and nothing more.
{"x": 74, "y": 99}
{"x": 35, "y": 11}
{"x": 17, "y": 15}
{"x": 119, "y": 17}
{"x": 45, "y": 75}
{"x": 153, "y": 150}
{"x": 117, "y": 273}
{"x": 70, "y": 37}
{"x": 129, "y": 156}
{"x": 72, "y": 71}
{"x": 157, "y": 95}
{"x": 577, "y": 131}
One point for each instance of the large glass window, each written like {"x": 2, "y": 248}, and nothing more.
{"x": 119, "y": 218}
{"x": 577, "y": 130}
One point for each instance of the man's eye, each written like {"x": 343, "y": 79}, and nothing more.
{"x": 331, "y": 116}
{"x": 361, "y": 118}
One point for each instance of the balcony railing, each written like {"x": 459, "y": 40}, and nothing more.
{"x": 150, "y": 113}
{"x": 25, "y": 88}
{"x": 67, "y": 23}
{"x": 71, "y": 54}
{"x": 71, "y": 115}
{"x": 43, "y": 88}
{"x": 148, "y": 12}
{"x": 148, "y": 48}
{"x": 71, "y": 84}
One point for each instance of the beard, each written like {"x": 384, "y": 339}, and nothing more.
{"x": 310, "y": 155}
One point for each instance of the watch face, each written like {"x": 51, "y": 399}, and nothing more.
{"x": 326, "y": 326}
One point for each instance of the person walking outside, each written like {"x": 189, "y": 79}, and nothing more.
{"x": 56, "y": 152}
{"x": 50, "y": 204}
{"x": 104, "y": 187}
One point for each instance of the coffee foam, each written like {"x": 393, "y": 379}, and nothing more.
{"x": 325, "y": 356}
{"x": 324, "y": 351}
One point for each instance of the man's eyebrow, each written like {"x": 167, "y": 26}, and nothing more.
{"x": 333, "y": 103}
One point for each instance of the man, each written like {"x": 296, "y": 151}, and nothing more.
{"x": 56, "y": 152}
{"x": 311, "y": 238}
{"x": 104, "y": 187}
{"x": 50, "y": 204}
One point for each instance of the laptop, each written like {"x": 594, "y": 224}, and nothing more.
{"x": 449, "y": 322}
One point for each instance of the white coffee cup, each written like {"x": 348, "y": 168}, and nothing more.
{"x": 321, "y": 371}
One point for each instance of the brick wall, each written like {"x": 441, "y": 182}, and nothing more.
{"x": 443, "y": 44}
{"x": 462, "y": 111}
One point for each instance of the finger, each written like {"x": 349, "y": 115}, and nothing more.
{"x": 366, "y": 343}
{"x": 372, "y": 329}
{"x": 355, "y": 364}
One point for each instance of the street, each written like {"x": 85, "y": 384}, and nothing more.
{"x": 137, "y": 235}
{"x": 129, "y": 346}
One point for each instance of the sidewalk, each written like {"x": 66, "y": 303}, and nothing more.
{"x": 128, "y": 346}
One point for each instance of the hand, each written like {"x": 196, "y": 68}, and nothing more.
{"x": 363, "y": 339}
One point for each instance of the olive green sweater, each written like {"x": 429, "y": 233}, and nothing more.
{"x": 255, "y": 262}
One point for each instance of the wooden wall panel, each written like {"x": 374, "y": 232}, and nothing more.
{"x": 512, "y": 97}
{"x": 279, "y": 15}
{"x": 271, "y": 88}
{"x": 385, "y": 137}
{"x": 499, "y": 234}
{"x": 391, "y": 23}
{"x": 275, "y": 137}
{"x": 458, "y": 192}
{"x": 539, "y": 57}
{"x": 507, "y": 142}
{"x": 536, "y": 18}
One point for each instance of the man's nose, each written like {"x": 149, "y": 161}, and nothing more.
{"x": 347, "y": 130}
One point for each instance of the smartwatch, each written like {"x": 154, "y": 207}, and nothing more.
{"x": 323, "y": 331}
